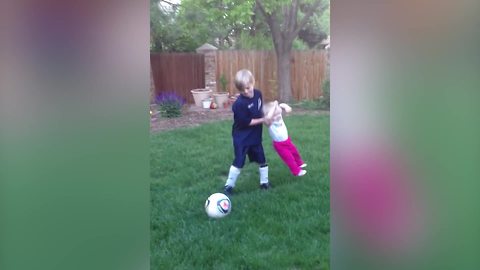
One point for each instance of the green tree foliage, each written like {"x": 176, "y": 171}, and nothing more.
{"x": 316, "y": 30}
{"x": 186, "y": 26}
{"x": 165, "y": 34}
{"x": 281, "y": 25}
{"x": 258, "y": 42}
{"x": 285, "y": 19}
{"x": 227, "y": 24}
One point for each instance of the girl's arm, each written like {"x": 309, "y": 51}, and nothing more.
{"x": 285, "y": 107}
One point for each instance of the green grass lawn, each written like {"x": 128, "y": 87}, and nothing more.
{"x": 286, "y": 227}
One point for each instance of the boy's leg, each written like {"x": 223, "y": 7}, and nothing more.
{"x": 257, "y": 154}
{"x": 233, "y": 174}
{"x": 287, "y": 157}
{"x": 263, "y": 170}
{"x": 236, "y": 167}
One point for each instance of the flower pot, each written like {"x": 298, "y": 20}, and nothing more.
{"x": 200, "y": 94}
{"x": 221, "y": 99}
{"x": 206, "y": 103}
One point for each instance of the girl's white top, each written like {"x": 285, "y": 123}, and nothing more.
{"x": 278, "y": 131}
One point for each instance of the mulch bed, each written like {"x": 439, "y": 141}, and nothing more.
{"x": 194, "y": 116}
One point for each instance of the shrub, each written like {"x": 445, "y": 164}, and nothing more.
{"x": 325, "y": 100}
{"x": 313, "y": 104}
{"x": 223, "y": 82}
{"x": 170, "y": 105}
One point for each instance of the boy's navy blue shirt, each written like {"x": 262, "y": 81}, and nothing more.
{"x": 244, "y": 110}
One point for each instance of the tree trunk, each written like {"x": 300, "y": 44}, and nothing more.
{"x": 283, "y": 36}
{"x": 153, "y": 107}
{"x": 283, "y": 48}
{"x": 283, "y": 76}
{"x": 152, "y": 87}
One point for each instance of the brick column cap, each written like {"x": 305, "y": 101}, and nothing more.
{"x": 205, "y": 48}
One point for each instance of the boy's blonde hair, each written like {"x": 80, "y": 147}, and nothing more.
{"x": 243, "y": 78}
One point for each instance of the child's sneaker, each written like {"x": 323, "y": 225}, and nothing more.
{"x": 303, "y": 165}
{"x": 265, "y": 186}
{"x": 302, "y": 173}
{"x": 228, "y": 190}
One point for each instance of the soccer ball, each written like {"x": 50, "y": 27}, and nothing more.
{"x": 218, "y": 205}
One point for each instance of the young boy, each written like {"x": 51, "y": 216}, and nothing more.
{"x": 247, "y": 130}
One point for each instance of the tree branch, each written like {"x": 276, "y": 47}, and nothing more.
{"x": 253, "y": 27}
{"x": 286, "y": 16}
{"x": 262, "y": 10}
{"x": 293, "y": 16}
{"x": 272, "y": 23}
{"x": 307, "y": 16}
{"x": 170, "y": 3}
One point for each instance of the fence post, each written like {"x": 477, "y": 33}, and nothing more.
{"x": 210, "y": 65}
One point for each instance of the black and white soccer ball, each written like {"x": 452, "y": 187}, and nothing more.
{"x": 218, "y": 205}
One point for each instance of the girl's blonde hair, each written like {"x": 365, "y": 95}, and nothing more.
{"x": 272, "y": 105}
{"x": 268, "y": 106}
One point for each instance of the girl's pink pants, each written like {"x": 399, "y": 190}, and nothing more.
{"x": 289, "y": 154}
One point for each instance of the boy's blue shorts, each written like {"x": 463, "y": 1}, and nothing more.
{"x": 255, "y": 154}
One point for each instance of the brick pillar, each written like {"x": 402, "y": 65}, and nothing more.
{"x": 210, "y": 65}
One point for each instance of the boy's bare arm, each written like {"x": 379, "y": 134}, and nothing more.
{"x": 257, "y": 121}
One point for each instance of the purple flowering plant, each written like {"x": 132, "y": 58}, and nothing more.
{"x": 170, "y": 104}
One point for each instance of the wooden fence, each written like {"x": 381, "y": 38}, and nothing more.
{"x": 178, "y": 73}
{"x": 182, "y": 72}
{"x": 308, "y": 71}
